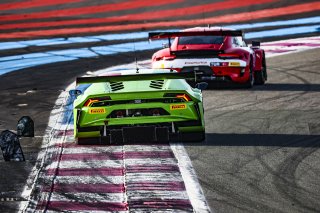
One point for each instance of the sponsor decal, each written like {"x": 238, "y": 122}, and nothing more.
{"x": 178, "y": 106}
{"x": 234, "y": 64}
{"x": 97, "y": 111}
{"x": 214, "y": 64}
{"x": 196, "y": 62}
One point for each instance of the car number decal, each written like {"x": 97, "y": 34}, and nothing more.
{"x": 97, "y": 111}
{"x": 178, "y": 106}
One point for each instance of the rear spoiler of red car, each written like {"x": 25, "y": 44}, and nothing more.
{"x": 136, "y": 77}
{"x": 162, "y": 35}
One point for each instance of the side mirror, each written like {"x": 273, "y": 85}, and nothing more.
{"x": 202, "y": 85}
{"x": 165, "y": 45}
{"x": 255, "y": 43}
{"x": 75, "y": 92}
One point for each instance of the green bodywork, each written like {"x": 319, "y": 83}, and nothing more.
{"x": 144, "y": 90}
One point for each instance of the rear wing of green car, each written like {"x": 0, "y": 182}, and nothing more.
{"x": 137, "y": 77}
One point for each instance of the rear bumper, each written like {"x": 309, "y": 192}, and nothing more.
{"x": 208, "y": 68}
{"x": 211, "y": 74}
{"x": 139, "y": 134}
{"x": 136, "y": 134}
{"x": 186, "y": 120}
{"x": 215, "y": 78}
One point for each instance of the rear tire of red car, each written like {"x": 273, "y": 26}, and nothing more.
{"x": 261, "y": 76}
{"x": 249, "y": 84}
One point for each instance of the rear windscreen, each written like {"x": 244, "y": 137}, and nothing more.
{"x": 201, "y": 40}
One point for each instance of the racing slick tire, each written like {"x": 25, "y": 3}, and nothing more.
{"x": 260, "y": 77}
{"x": 249, "y": 84}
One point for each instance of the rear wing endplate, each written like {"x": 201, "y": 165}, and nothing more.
{"x": 136, "y": 77}
{"x": 163, "y": 35}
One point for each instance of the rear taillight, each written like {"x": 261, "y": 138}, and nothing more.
{"x": 90, "y": 101}
{"x": 169, "y": 58}
{"x": 166, "y": 58}
{"x": 228, "y": 55}
{"x": 177, "y": 69}
{"x": 178, "y": 96}
{"x": 185, "y": 97}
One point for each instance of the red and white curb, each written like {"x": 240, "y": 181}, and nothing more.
{"x": 128, "y": 178}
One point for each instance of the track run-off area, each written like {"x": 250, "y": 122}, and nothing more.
{"x": 262, "y": 148}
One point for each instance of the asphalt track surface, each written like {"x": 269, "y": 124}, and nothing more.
{"x": 262, "y": 147}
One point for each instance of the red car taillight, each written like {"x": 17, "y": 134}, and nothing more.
{"x": 177, "y": 69}
{"x": 166, "y": 58}
{"x": 169, "y": 58}
{"x": 228, "y": 55}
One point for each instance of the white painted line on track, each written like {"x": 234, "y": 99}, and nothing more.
{"x": 86, "y": 164}
{"x": 92, "y": 150}
{"x": 91, "y": 211}
{"x": 90, "y": 179}
{"x": 55, "y": 115}
{"x": 190, "y": 178}
{"x": 160, "y": 177}
{"x": 150, "y": 161}
{"x": 152, "y": 194}
{"x": 89, "y": 197}
{"x": 146, "y": 148}
{"x": 112, "y": 163}
{"x": 71, "y": 149}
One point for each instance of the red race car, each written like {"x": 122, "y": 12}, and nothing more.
{"x": 215, "y": 54}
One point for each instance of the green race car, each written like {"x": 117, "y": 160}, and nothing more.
{"x": 150, "y": 105}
